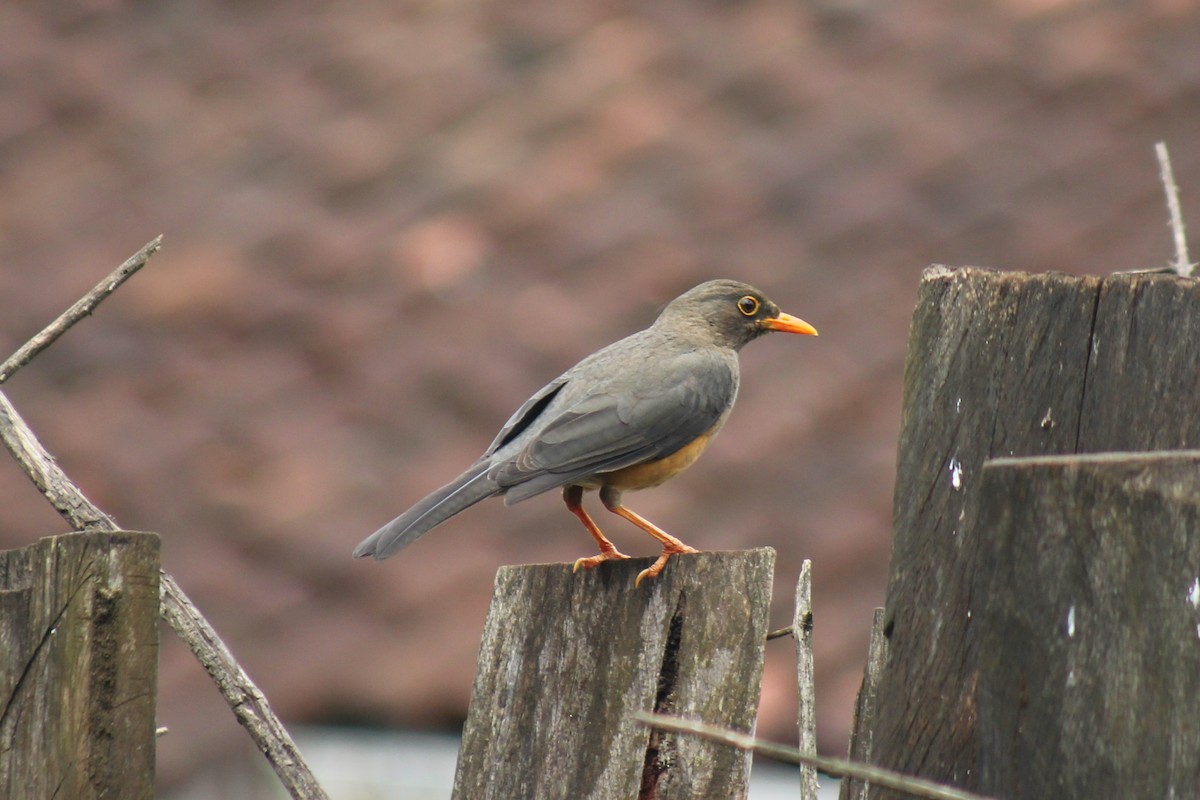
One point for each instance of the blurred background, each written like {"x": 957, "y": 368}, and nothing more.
{"x": 386, "y": 224}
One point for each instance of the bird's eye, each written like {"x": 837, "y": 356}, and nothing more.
{"x": 748, "y": 305}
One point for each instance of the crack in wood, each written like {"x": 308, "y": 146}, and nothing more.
{"x": 1092, "y": 355}
{"x": 40, "y": 648}
{"x": 660, "y": 748}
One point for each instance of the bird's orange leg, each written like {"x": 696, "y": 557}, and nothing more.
{"x": 573, "y": 497}
{"x": 671, "y": 545}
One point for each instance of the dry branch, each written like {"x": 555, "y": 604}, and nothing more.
{"x": 1182, "y": 264}
{"x": 46, "y": 475}
{"x": 84, "y": 306}
{"x": 249, "y": 704}
{"x": 837, "y": 767}
{"x": 247, "y": 701}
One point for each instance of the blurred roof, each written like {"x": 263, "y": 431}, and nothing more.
{"x": 387, "y": 224}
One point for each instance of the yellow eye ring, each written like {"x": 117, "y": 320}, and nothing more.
{"x": 748, "y": 305}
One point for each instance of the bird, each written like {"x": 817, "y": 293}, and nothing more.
{"x": 629, "y": 416}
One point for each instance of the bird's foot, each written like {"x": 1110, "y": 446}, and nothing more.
{"x": 594, "y": 561}
{"x": 655, "y": 569}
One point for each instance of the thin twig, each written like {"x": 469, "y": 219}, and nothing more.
{"x": 1182, "y": 264}
{"x": 837, "y": 767}
{"x": 247, "y": 701}
{"x": 779, "y": 634}
{"x": 84, "y": 306}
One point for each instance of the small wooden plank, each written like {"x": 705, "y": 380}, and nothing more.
{"x": 78, "y": 666}
{"x": 567, "y": 658}
{"x": 802, "y": 631}
{"x": 864, "y": 709}
{"x": 1088, "y": 624}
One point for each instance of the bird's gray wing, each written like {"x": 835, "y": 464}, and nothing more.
{"x": 616, "y": 427}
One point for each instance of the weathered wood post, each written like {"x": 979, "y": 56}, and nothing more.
{"x": 1008, "y": 364}
{"x": 806, "y": 692}
{"x": 567, "y": 658}
{"x": 78, "y": 667}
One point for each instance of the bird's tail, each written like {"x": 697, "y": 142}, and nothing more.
{"x": 460, "y": 494}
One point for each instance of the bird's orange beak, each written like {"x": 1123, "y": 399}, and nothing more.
{"x": 789, "y": 324}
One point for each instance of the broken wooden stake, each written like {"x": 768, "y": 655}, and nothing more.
{"x": 78, "y": 666}
{"x": 567, "y": 659}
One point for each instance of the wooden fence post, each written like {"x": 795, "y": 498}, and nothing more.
{"x": 1007, "y": 364}
{"x": 567, "y": 658}
{"x": 1088, "y": 624}
{"x": 806, "y": 692}
{"x": 78, "y": 666}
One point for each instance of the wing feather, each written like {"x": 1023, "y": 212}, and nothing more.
{"x": 609, "y": 429}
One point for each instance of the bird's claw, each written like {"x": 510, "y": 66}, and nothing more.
{"x": 655, "y": 569}
{"x": 651, "y": 571}
{"x": 591, "y": 562}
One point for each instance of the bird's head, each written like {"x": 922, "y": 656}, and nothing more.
{"x": 729, "y": 314}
